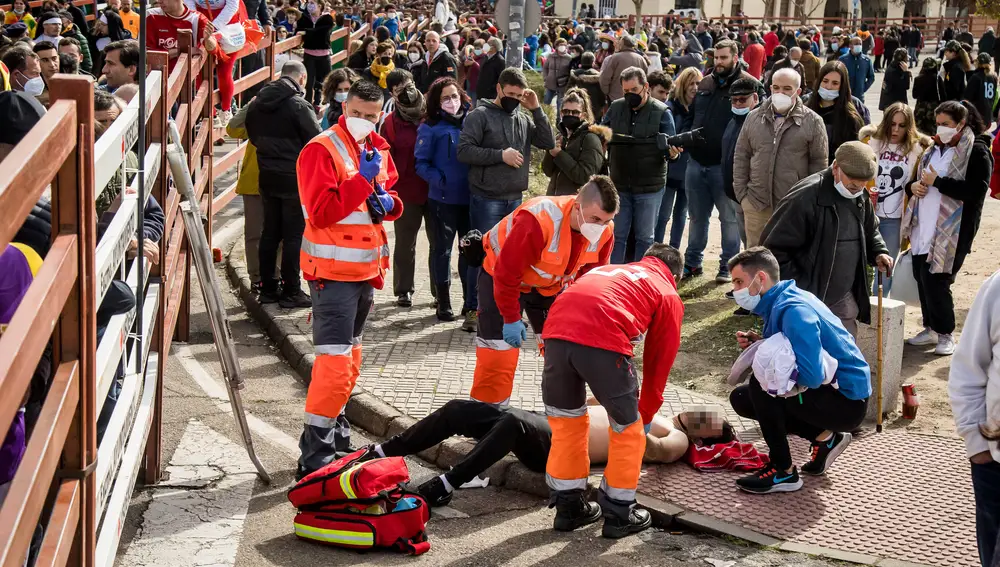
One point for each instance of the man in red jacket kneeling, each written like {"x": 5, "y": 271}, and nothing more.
{"x": 589, "y": 336}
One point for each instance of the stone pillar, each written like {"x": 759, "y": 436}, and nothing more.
{"x": 892, "y": 353}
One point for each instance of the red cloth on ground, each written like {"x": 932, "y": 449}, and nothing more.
{"x": 732, "y": 456}
{"x": 521, "y": 250}
{"x": 327, "y": 201}
{"x": 614, "y": 308}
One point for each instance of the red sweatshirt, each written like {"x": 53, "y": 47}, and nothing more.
{"x": 771, "y": 41}
{"x": 613, "y": 307}
{"x": 328, "y": 202}
{"x": 522, "y": 249}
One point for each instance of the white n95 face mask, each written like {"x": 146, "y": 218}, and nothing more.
{"x": 781, "y": 102}
{"x": 590, "y": 230}
{"x": 944, "y": 133}
{"x": 359, "y": 128}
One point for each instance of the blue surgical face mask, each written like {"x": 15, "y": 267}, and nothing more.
{"x": 828, "y": 94}
{"x": 856, "y": 49}
{"x": 741, "y": 111}
{"x": 744, "y": 299}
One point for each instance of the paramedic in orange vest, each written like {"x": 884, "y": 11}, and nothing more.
{"x": 343, "y": 174}
{"x": 531, "y": 255}
{"x": 589, "y": 337}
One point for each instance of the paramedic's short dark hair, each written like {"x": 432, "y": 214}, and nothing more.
{"x": 128, "y": 51}
{"x": 669, "y": 256}
{"x": 757, "y": 259}
{"x": 599, "y": 189}
{"x": 366, "y": 91}
{"x": 659, "y": 78}
{"x": 397, "y": 77}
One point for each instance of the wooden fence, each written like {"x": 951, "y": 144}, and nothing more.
{"x": 77, "y": 489}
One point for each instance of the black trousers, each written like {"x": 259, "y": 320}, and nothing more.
{"x": 317, "y": 68}
{"x": 497, "y": 431}
{"x": 248, "y": 64}
{"x": 283, "y": 224}
{"x": 404, "y": 255}
{"x": 936, "y": 303}
{"x": 807, "y": 416}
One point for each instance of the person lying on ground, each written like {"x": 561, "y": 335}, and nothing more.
{"x": 527, "y": 435}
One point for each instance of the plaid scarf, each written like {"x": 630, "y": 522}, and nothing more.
{"x": 949, "y": 219}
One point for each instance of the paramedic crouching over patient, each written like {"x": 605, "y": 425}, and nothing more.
{"x": 828, "y": 407}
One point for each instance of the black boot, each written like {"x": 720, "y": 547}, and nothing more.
{"x": 444, "y": 312}
{"x": 616, "y": 527}
{"x": 573, "y": 510}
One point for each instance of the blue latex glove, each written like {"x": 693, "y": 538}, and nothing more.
{"x": 514, "y": 333}
{"x": 646, "y": 427}
{"x": 385, "y": 199}
{"x": 371, "y": 163}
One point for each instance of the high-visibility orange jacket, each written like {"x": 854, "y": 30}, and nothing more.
{"x": 340, "y": 242}
{"x": 552, "y": 271}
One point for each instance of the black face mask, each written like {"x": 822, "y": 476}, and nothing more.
{"x": 509, "y": 103}
{"x": 633, "y": 100}
{"x": 384, "y": 60}
{"x": 570, "y": 123}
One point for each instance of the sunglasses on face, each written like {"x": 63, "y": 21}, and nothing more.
{"x": 740, "y": 99}
{"x": 572, "y": 113}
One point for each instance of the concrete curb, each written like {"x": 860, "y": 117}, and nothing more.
{"x": 372, "y": 414}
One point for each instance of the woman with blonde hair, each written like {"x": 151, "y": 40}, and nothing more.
{"x": 580, "y": 146}
{"x": 897, "y": 145}
{"x": 674, "y": 202}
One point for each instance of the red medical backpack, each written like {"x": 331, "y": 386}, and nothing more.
{"x": 361, "y": 506}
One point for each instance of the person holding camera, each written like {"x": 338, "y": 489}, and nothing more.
{"x": 782, "y": 128}
{"x": 638, "y": 166}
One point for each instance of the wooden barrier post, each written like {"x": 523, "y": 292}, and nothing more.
{"x": 75, "y": 338}
{"x": 183, "y": 330}
{"x": 207, "y": 150}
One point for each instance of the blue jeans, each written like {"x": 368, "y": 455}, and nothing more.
{"x": 889, "y": 229}
{"x": 674, "y": 203}
{"x": 704, "y": 191}
{"x": 449, "y": 221}
{"x": 637, "y": 212}
{"x": 485, "y": 213}
{"x": 986, "y": 487}
{"x": 557, "y": 95}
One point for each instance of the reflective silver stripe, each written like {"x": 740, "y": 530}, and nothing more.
{"x": 555, "y": 213}
{"x": 493, "y": 344}
{"x": 342, "y": 150}
{"x": 543, "y": 273}
{"x": 620, "y": 494}
{"x": 495, "y": 239}
{"x": 334, "y": 350}
{"x": 357, "y": 217}
{"x": 500, "y": 405}
{"x": 619, "y": 428}
{"x": 305, "y": 213}
{"x": 334, "y": 252}
{"x": 356, "y": 340}
{"x": 553, "y": 411}
{"x": 384, "y": 251}
{"x": 320, "y": 420}
{"x": 561, "y": 484}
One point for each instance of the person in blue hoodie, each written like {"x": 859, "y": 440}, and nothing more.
{"x": 391, "y": 22}
{"x": 448, "y": 197}
{"x": 823, "y": 414}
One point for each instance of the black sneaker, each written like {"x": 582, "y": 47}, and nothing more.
{"x": 369, "y": 455}
{"x": 266, "y": 297}
{"x": 435, "y": 493}
{"x": 690, "y": 272}
{"x": 295, "y": 300}
{"x": 404, "y": 300}
{"x": 616, "y": 527}
{"x": 729, "y": 294}
{"x": 824, "y": 452}
{"x": 574, "y": 511}
{"x": 740, "y": 312}
{"x": 770, "y": 479}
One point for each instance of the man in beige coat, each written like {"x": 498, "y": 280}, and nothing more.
{"x": 781, "y": 142}
{"x": 611, "y": 69}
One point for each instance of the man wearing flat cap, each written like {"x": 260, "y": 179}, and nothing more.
{"x": 824, "y": 233}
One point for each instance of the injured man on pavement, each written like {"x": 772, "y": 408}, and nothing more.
{"x": 527, "y": 435}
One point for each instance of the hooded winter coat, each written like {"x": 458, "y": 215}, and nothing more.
{"x": 612, "y": 68}
{"x": 590, "y": 81}
{"x": 582, "y": 155}
{"x": 280, "y": 123}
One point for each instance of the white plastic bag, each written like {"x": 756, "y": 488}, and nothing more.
{"x": 232, "y": 37}
{"x": 904, "y": 286}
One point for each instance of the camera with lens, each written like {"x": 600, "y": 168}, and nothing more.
{"x": 689, "y": 138}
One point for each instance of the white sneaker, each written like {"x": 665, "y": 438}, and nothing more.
{"x": 945, "y": 345}
{"x": 924, "y": 338}
{"x": 222, "y": 118}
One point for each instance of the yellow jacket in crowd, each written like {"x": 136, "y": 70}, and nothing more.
{"x": 248, "y": 181}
